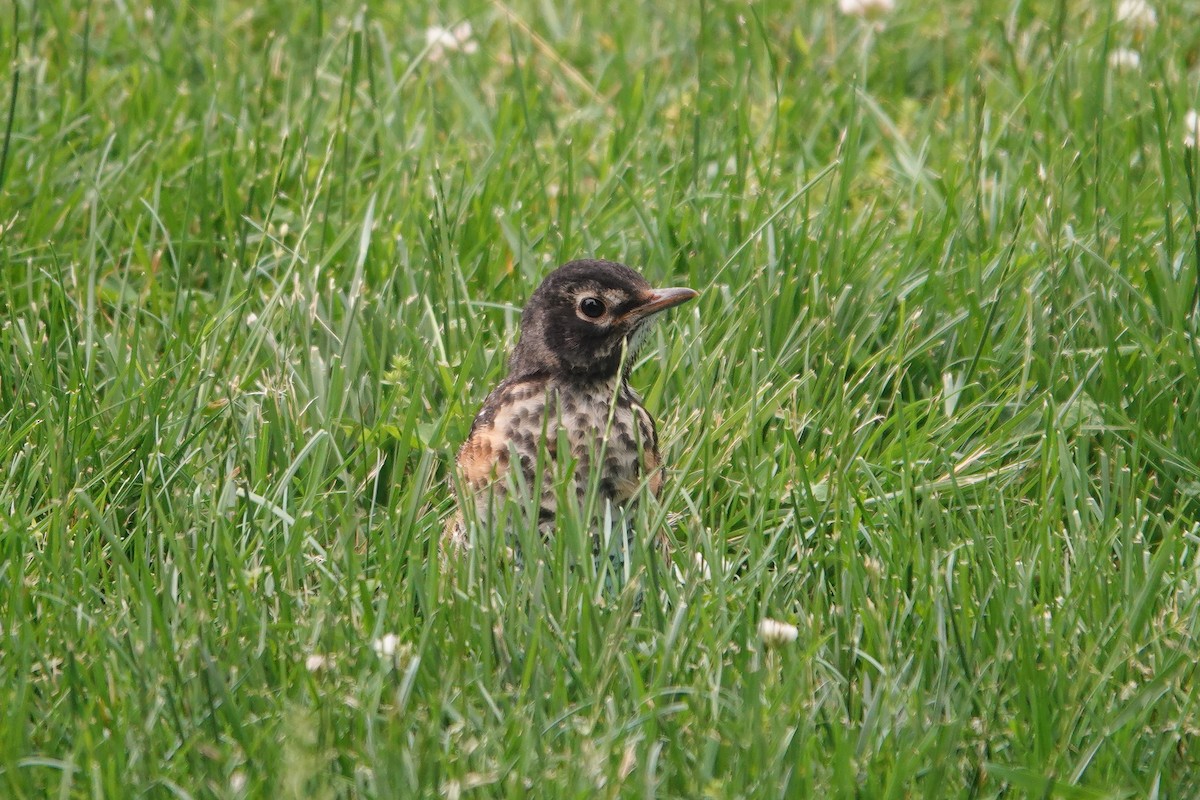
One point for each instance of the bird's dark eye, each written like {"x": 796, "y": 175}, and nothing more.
{"x": 592, "y": 307}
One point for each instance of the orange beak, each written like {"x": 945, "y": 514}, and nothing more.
{"x": 660, "y": 300}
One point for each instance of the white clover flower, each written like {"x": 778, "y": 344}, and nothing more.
{"x": 1191, "y": 129}
{"x": 387, "y": 645}
{"x": 702, "y": 570}
{"x": 1124, "y": 58}
{"x": 773, "y": 633}
{"x": 714, "y": 170}
{"x": 866, "y": 9}
{"x": 316, "y": 662}
{"x": 441, "y": 40}
{"x": 1137, "y": 14}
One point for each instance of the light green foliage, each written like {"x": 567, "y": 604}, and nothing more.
{"x": 938, "y": 405}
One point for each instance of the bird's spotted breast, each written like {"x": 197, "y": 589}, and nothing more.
{"x": 605, "y": 426}
{"x": 511, "y": 415}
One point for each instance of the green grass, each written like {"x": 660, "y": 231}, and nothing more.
{"x": 938, "y": 405}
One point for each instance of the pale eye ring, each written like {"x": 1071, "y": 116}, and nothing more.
{"x": 592, "y": 307}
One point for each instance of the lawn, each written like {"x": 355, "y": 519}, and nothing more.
{"x": 937, "y": 406}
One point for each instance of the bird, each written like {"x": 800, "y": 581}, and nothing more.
{"x": 567, "y": 385}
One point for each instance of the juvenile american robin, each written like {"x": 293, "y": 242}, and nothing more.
{"x": 567, "y": 384}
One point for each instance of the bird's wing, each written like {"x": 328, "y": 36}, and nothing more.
{"x": 648, "y": 433}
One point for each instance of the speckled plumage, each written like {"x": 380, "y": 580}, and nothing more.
{"x": 567, "y": 384}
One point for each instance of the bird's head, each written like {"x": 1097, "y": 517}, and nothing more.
{"x": 580, "y": 317}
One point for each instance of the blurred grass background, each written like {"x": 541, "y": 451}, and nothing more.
{"x": 938, "y": 405}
